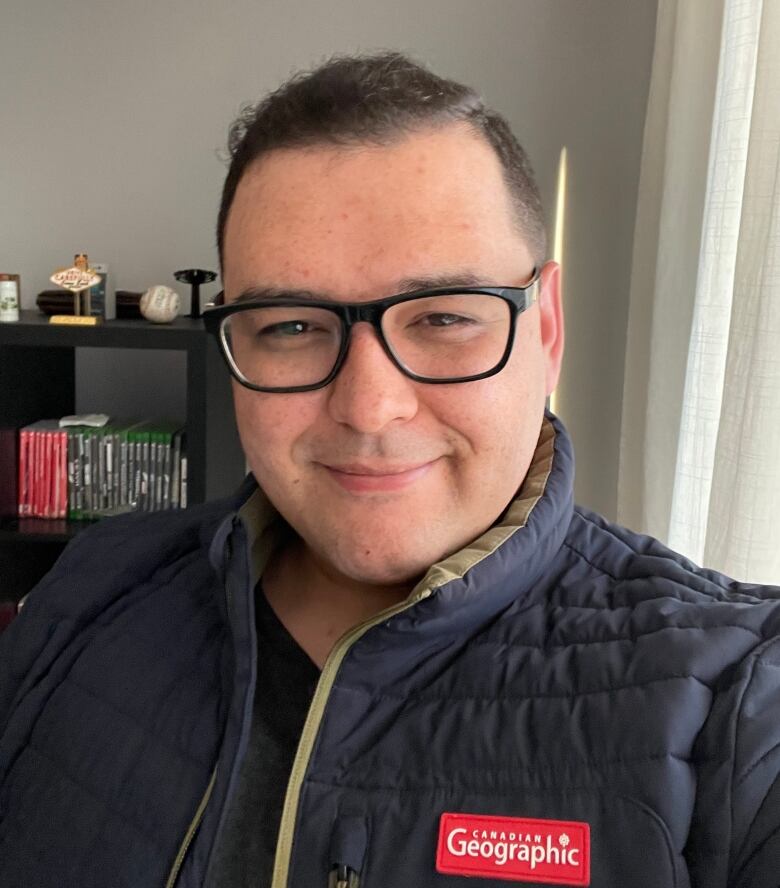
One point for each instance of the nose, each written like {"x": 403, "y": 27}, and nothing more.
{"x": 370, "y": 392}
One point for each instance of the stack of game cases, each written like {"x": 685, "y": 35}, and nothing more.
{"x": 83, "y": 472}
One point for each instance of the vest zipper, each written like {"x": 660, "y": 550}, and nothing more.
{"x": 347, "y": 851}
{"x": 342, "y": 876}
{"x": 174, "y": 874}
{"x": 309, "y": 735}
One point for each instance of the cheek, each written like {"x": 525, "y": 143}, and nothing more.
{"x": 500, "y": 418}
{"x": 269, "y": 426}
{"x": 490, "y": 412}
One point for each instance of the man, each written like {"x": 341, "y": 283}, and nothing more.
{"x": 399, "y": 656}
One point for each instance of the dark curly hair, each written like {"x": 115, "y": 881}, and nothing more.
{"x": 374, "y": 99}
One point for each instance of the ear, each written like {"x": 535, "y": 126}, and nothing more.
{"x": 551, "y": 323}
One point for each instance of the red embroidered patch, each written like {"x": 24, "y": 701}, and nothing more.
{"x": 555, "y": 852}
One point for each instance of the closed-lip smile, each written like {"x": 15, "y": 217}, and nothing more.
{"x": 365, "y": 478}
{"x": 363, "y": 469}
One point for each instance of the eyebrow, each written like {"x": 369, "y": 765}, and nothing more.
{"x": 406, "y": 285}
{"x": 277, "y": 293}
{"x": 464, "y": 279}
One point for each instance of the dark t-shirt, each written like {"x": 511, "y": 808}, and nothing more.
{"x": 286, "y": 680}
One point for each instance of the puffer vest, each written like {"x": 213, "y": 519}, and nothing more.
{"x": 561, "y": 702}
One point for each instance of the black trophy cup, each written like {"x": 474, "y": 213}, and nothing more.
{"x": 195, "y": 277}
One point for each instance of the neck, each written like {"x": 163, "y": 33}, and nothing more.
{"x": 317, "y": 605}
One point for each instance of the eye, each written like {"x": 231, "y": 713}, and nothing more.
{"x": 286, "y": 329}
{"x": 443, "y": 319}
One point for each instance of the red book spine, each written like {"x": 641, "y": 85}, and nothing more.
{"x": 44, "y": 457}
{"x": 55, "y": 474}
{"x": 42, "y": 491}
{"x": 7, "y": 613}
{"x": 37, "y": 474}
{"x": 40, "y": 474}
{"x": 48, "y": 474}
{"x": 63, "y": 512}
{"x": 43, "y": 474}
{"x": 23, "y": 486}
{"x": 54, "y": 486}
{"x": 54, "y": 496}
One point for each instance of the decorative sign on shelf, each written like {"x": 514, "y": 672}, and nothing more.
{"x": 78, "y": 279}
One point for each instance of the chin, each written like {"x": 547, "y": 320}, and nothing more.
{"x": 377, "y": 565}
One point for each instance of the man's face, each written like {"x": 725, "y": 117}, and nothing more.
{"x": 380, "y": 475}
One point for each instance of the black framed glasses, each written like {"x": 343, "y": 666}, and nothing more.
{"x": 441, "y": 335}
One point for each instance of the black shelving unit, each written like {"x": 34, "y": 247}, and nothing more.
{"x": 37, "y": 380}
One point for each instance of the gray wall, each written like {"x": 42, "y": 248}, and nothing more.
{"x": 113, "y": 117}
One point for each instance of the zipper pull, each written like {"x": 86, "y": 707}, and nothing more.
{"x": 343, "y": 876}
{"x": 348, "y": 849}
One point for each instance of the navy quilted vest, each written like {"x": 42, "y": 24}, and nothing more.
{"x": 560, "y": 669}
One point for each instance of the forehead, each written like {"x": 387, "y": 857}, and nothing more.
{"x": 348, "y": 220}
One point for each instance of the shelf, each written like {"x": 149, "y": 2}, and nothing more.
{"x": 37, "y": 366}
{"x": 34, "y": 329}
{"x": 40, "y": 530}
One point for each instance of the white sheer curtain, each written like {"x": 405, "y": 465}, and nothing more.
{"x": 700, "y": 448}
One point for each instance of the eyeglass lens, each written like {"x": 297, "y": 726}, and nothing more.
{"x": 436, "y": 337}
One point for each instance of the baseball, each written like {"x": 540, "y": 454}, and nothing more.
{"x": 160, "y": 304}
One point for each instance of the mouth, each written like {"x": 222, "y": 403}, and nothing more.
{"x": 360, "y": 478}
